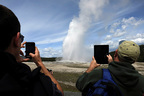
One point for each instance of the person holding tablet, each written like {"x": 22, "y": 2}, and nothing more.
{"x": 129, "y": 81}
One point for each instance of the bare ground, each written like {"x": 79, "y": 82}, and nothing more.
{"x": 62, "y": 66}
{"x": 77, "y": 67}
{"x": 70, "y": 67}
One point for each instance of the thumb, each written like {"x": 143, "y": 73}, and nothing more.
{"x": 93, "y": 58}
{"x": 31, "y": 54}
{"x": 21, "y": 53}
{"x": 98, "y": 65}
{"x": 108, "y": 55}
{"x": 24, "y": 60}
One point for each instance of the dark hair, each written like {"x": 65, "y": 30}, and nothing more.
{"x": 9, "y": 27}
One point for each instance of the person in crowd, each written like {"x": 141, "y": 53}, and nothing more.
{"x": 129, "y": 80}
{"x": 16, "y": 78}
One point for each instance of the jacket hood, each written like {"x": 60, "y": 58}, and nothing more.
{"x": 124, "y": 73}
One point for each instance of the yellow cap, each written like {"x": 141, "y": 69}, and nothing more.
{"x": 128, "y": 49}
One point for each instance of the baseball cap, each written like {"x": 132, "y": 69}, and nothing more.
{"x": 128, "y": 51}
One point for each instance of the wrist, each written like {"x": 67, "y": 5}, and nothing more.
{"x": 89, "y": 69}
{"x": 92, "y": 67}
{"x": 39, "y": 63}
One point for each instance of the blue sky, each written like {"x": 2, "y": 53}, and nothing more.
{"x": 47, "y": 22}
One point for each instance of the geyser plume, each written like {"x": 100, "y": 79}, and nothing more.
{"x": 74, "y": 48}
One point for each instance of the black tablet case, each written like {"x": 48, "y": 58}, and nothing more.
{"x": 100, "y": 52}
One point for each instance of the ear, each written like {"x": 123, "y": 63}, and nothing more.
{"x": 116, "y": 53}
{"x": 17, "y": 39}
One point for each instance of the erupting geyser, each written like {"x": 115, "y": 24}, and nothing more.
{"x": 74, "y": 48}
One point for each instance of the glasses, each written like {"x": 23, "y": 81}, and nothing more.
{"x": 22, "y": 37}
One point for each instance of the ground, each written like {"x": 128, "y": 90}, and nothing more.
{"x": 67, "y": 73}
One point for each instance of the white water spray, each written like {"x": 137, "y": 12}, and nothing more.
{"x": 74, "y": 48}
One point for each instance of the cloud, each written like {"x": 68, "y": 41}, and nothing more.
{"x": 50, "y": 52}
{"x": 138, "y": 38}
{"x": 119, "y": 28}
{"x": 119, "y": 33}
{"x": 132, "y": 21}
{"x": 108, "y": 37}
{"x": 125, "y": 29}
{"x": 123, "y": 26}
{"x": 114, "y": 26}
{"x": 112, "y": 44}
{"x": 138, "y": 35}
{"x": 51, "y": 38}
{"x": 48, "y": 40}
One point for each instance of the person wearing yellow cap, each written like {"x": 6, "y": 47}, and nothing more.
{"x": 129, "y": 81}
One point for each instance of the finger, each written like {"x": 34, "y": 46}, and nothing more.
{"x": 108, "y": 55}
{"x": 26, "y": 59}
{"x": 31, "y": 54}
{"x": 36, "y": 51}
{"x": 93, "y": 58}
{"x": 21, "y": 53}
{"x": 22, "y": 45}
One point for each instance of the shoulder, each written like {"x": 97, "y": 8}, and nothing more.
{"x": 95, "y": 75}
{"x": 88, "y": 79}
{"x": 22, "y": 65}
{"x": 23, "y": 69}
{"x": 96, "y": 72}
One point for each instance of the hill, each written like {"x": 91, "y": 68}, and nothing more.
{"x": 51, "y": 58}
{"x": 141, "y": 57}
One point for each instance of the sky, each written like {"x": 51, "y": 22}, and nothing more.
{"x": 51, "y": 23}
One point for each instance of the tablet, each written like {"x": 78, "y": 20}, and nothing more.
{"x": 100, "y": 53}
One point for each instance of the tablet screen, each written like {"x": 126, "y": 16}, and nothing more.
{"x": 100, "y": 52}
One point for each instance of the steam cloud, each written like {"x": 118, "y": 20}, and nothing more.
{"x": 74, "y": 48}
